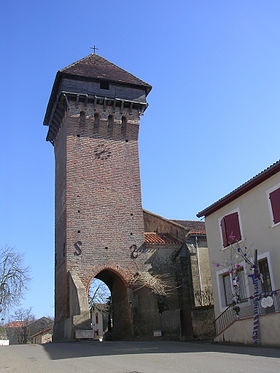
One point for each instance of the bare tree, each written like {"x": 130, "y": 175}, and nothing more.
{"x": 159, "y": 284}
{"x": 13, "y": 278}
{"x": 98, "y": 292}
{"x": 25, "y": 317}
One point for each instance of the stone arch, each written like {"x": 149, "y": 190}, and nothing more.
{"x": 121, "y": 308}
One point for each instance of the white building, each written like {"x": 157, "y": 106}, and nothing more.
{"x": 246, "y": 220}
{"x": 98, "y": 313}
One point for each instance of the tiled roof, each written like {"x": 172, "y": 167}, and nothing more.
{"x": 41, "y": 332}
{"x": 16, "y": 324}
{"x": 160, "y": 239}
{"x": 97, "y": 67}
{"x": 254, "y": 181}
{"x": 195, "y": 227}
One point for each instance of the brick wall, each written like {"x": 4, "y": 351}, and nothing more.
{"x": 98, "y": 197}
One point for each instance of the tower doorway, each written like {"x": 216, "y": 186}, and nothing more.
{"x": 110, "y": 288}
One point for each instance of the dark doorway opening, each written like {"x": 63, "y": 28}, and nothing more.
{"x": 115, "y": 291}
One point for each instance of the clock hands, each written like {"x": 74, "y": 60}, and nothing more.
{"x": 102, "y": 152}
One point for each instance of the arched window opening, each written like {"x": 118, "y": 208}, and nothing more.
{"x": 123, "y": 129}
{"x": 96, "y": 123}
{"x": 110, "y": 125}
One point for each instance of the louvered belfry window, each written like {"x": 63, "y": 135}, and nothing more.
{"x": 275, "y": 205}
{"x": 230, "y": 229}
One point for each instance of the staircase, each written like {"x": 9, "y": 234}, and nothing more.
{"x": 229, "y": 316}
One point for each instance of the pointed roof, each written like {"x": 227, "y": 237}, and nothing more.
{"x": 90, "y": 68}
{"x": 97, "y": 67}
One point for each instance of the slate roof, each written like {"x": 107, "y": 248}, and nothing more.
{"x": 160, "y": 239}
{"x": 97, "y": 67}
{"x": 248, "y": 185}
{"x": 195, "y": 227}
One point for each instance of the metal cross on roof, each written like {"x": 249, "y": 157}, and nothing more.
{"x": 94, "y": 49}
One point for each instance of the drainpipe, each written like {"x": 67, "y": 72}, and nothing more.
{"x": 198, "y": 263}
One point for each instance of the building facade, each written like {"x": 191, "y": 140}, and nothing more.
{"x": 243, "y": 235}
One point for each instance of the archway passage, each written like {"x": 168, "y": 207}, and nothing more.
{"x": 120, "y": 309}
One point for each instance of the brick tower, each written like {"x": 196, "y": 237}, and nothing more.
{"x": 93, "y": 118}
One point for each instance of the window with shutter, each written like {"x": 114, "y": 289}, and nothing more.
{"x": 224, "y": 233}
{"x": 230, "y": 229}
{"x": 275, "y": 205}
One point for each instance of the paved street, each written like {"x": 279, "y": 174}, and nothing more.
{"x": 138, "y": 357}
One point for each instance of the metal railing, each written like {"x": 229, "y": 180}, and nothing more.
{"x": 267, "y": 303}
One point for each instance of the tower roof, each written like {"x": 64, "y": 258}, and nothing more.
{"x": 93, "y": 68}
{"x": 97, "y": 67}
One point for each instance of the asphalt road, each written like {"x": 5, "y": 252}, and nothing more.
{"x": 138, "y": 357}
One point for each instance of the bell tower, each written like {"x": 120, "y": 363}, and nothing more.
{"x": 93, "y": 117}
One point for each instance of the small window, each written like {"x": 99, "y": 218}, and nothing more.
{"x": 274, "y": 198}
{"x": 230, "y": 229}
{"x": 104, "y": 84}
{"x": 96, "y": 318}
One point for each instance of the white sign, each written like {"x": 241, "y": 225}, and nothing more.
{"x": 4, "y": 342}
{"x": 157, "y": 333}
{"x": 266, "y": 302}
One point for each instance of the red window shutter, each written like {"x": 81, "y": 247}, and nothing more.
{"x": 275, "y": 205}
{"x": 232, "y": 228}
{"x": 224, "y": 233}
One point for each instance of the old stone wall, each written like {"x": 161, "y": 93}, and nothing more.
{"x": 203, "y": 322}
{"x": 155, "y": 223}
{"x": 200, "y": 267}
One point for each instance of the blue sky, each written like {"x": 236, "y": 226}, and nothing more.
{"x": 212, "y": 122}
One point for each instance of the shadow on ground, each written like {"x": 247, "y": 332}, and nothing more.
{"x": 85, "y": 349}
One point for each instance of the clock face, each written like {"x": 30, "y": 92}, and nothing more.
{"x": 102, "y": 152}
